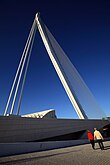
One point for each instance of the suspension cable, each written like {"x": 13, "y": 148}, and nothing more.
{"x": 22, "y": 88}
{"x": 14, "y": 99}
{"x": 10, "y": 95}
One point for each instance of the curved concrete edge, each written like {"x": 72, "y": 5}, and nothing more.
{"x": 8, "y": 149}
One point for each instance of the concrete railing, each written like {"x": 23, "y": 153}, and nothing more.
{"x": 20, "y": 148}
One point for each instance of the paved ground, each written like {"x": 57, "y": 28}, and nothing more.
{"x": 77, "y": 155}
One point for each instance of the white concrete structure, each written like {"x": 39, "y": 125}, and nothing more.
{"x": 43, "y": 114}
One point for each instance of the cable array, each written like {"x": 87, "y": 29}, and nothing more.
{"x": 23, "y": 65}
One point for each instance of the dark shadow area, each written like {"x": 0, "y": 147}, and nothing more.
{"x": 107, "y": 148}
{"x": 106, "y": 131}
{"x": 71, "y": 136}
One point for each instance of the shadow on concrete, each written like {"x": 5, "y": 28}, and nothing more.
{"x": 105, "y": 148}
{"x": 34, "y": 158}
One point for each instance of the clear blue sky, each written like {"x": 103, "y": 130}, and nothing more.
{"x": 82, "y": 28}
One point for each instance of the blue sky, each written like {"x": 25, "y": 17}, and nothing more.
{"x": 82, "y": 28}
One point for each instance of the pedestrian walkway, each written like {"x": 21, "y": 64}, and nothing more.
{"x": 76, "y": 155}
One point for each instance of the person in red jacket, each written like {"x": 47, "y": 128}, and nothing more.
{"x": 91, "y": 138}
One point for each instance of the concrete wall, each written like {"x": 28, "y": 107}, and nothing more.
{"x": 19, "y": 129}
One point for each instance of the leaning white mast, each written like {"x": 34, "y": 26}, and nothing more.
{"x": 50, "y": 50}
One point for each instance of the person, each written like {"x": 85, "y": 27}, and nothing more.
{"x": 99, "y": 138}
{"x": 91, "y": 138}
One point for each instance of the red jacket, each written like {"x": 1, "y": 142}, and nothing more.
{"x": 90, "y": 136}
